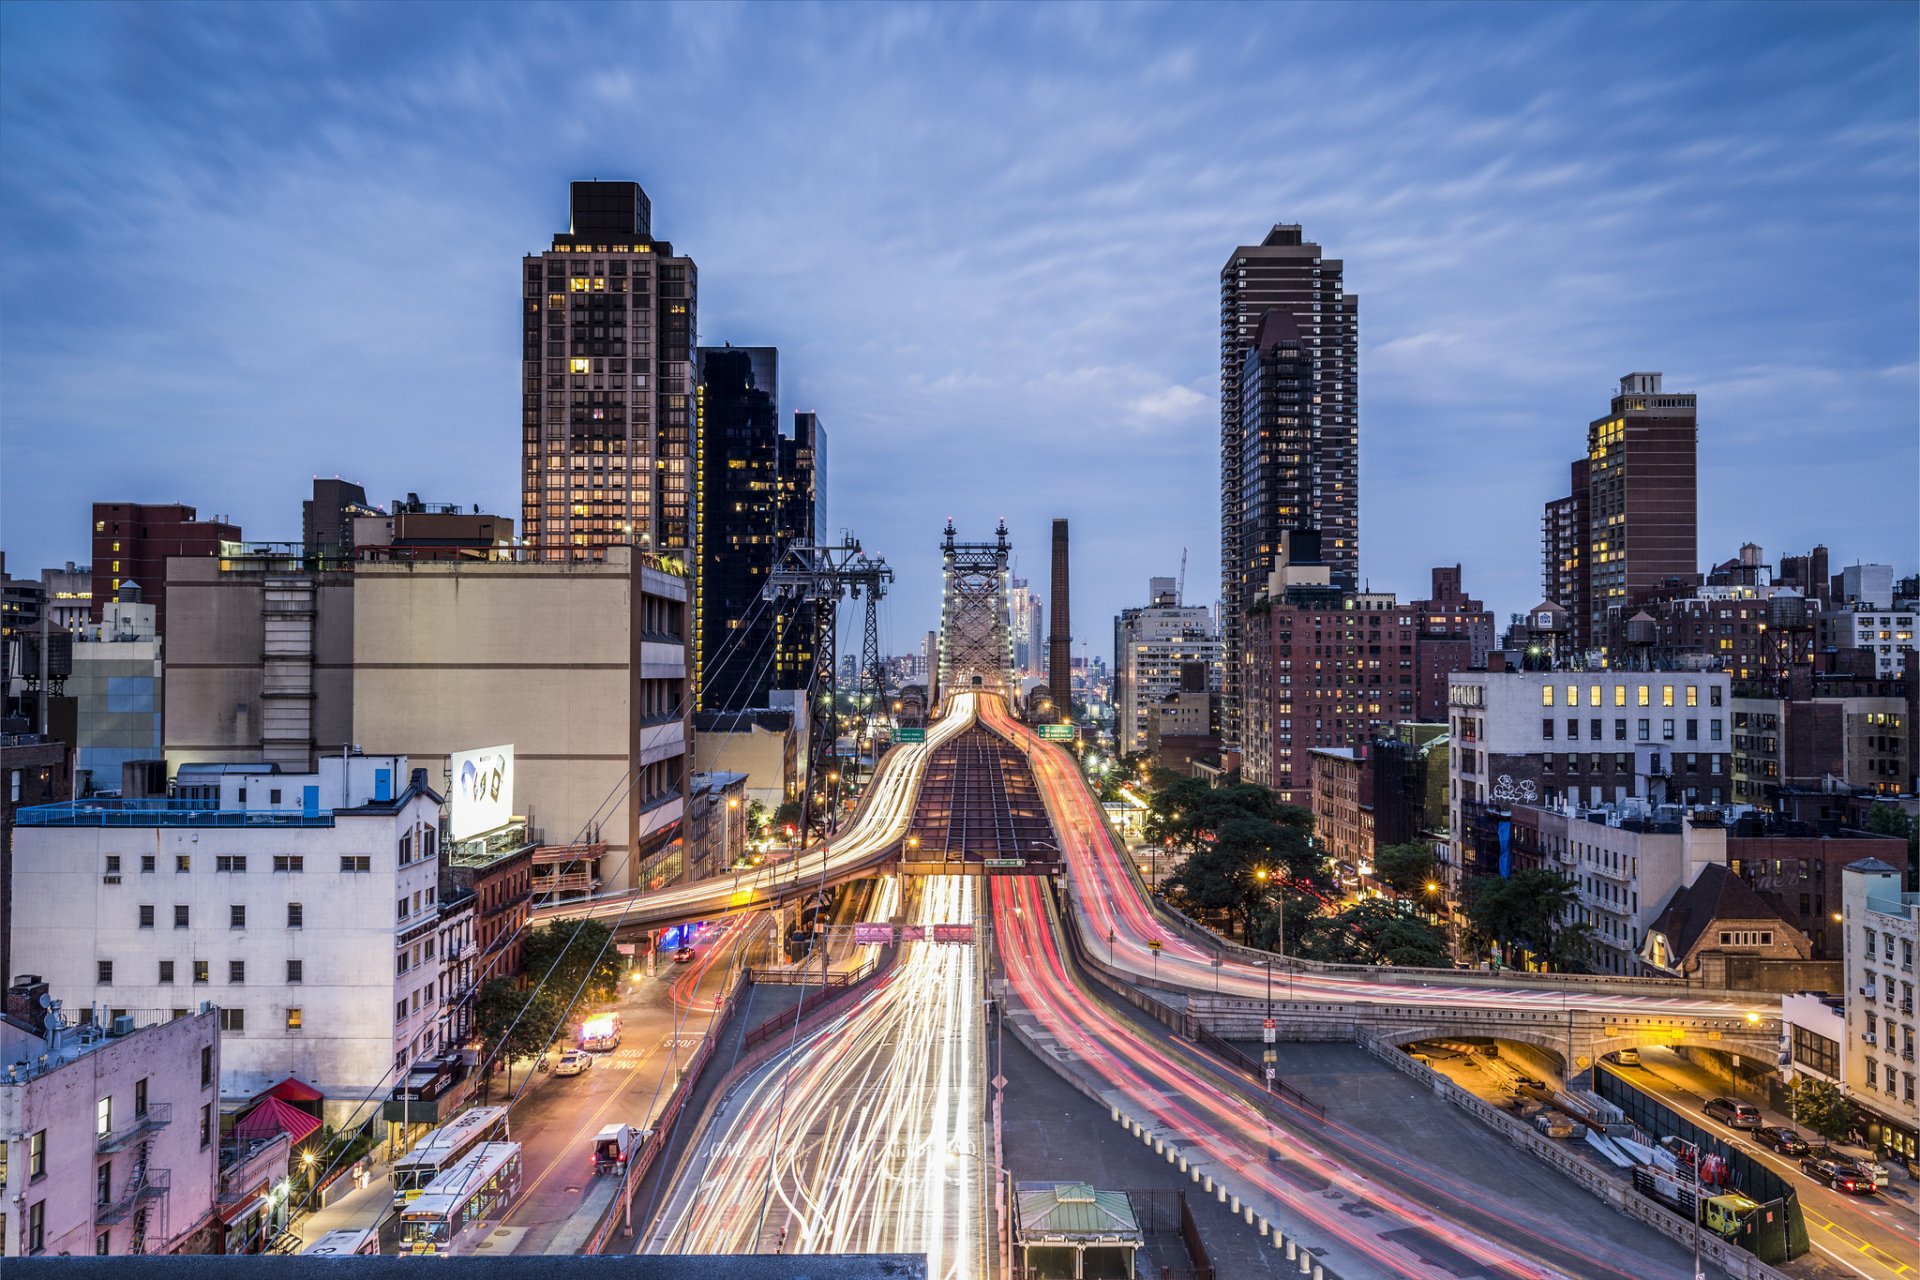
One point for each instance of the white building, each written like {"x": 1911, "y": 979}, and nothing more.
{"x": 1884, "y": 632}
{"x": 303, "y": 905}
{"x": 117, "y": 690}
{"x": 1816, "y": 1027}
{"x": 1635, "y": 740}
{"x": 1150, "y": 646}
{"x": 1882, "y": 931}
{"x": 111, "y": 1132}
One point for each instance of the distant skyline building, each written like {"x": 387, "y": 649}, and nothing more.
{"x": 1028, "y": 613}
{"x": 1641, "y": 509}
{"x": 607, "y": 396}
{"x": 1060, "y": 633}
{"x": 801, "y": 517}
{"x": 1153, "y": 645}
{"x": 326, "y": 519}
{"x": 1315, "y": 470}
{"x": 736, "y": 459}
{"x": 132, "y": 541}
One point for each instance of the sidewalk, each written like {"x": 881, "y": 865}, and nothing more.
{"x": 359, "y": 1210}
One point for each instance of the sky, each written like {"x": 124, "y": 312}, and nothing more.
{"x": 243, "y": 246}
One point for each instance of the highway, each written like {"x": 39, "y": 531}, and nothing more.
{"x": 869, "y": 839}
{"x": 862, "y": 1136}
{"x": 1116, "y": 917}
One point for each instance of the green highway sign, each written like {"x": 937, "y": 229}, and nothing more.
{"x": 1057, "y": 732}
{"x": 909, "y": 735}
{"x": 1003, "y": 862}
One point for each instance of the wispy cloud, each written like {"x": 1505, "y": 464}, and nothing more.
{"x": 241, "y": 244}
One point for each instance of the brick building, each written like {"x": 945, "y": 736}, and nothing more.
{"x": 132, "y": 541}
{"x": 1799, "y": 870}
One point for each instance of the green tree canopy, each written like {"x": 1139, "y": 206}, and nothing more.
{"x": 516, "y": 1021}
{"x": 1823, "y": 1108}
{"x": 1523, "y": 912}
{"x": 1405, "y": 868}
{"x": 1243, "y": 847}
{"x": 1375, "y": 931}
{"x": 582, "y": 959}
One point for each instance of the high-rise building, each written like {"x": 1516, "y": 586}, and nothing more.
{"x": 1642, "y": 508}
{"x": 1152, "y": 646}
{"x": 1317, "y": 473}
{"x": 736, "y": 460}
{"x": 607, "y": 388}
{"x": 132, "y": 541}
{"x": 1563, "y": 555}
{"x": 801, "y": 478}
{"x": 1060, "y": 637}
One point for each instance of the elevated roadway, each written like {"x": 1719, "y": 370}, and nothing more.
{"x": 872, "y": 837}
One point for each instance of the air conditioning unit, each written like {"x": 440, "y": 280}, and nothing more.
{"x": 1868, "y": 1038}
{"x": 122, "y": 1025}
{"x": 110, "y": 879}
{"x": 1871, "y": 993}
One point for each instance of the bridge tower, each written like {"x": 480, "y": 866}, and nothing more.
{"x": 976, "y": 644}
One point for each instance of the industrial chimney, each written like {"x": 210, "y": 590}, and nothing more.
{"x": 1060, "y": 631}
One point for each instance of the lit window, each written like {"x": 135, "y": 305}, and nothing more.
{"x": 1546, "y": 695}
{"x": 1646, "y": 695}
{"x": 580, "y": 366}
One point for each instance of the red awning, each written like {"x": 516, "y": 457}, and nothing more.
{"x": 291, "y": 1090}
{"x": 273, "y": 1116}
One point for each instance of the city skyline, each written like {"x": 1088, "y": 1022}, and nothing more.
{"x": 184, "y": 193}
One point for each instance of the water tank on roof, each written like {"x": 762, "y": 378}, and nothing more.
{"x": 1641, "y": 630}
{"x": 1788, "y": 612}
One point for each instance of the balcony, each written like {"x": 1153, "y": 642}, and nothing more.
{"x": 156, "y": 1184}
{"x": 156, "y": 1116}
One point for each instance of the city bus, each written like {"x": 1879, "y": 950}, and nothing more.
{"x": 345, "y": 1243}
{"x": 481, "y": 1184}
{"x": 440, "y": 1148}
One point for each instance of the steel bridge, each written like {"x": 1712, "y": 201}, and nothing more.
{"x": 976, "y": 644}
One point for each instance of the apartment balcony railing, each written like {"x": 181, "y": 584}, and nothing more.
{"x": 157, "y": 1116}
{"x": 156, "y": 1184}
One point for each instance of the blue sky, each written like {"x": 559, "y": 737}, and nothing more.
{"x": 241, "y": 246}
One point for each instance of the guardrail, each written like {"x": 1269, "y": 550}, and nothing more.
{"x": 838, "y": 985}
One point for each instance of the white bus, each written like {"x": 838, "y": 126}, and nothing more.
{"x": 440, "y": 1148}
{"x": 343, "y": 1244}
{"x": 481, "y": 1184}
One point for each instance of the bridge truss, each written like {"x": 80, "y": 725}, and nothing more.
{"x": 976, "y": 644}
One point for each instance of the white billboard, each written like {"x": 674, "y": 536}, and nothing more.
{"x": 482, "y": 796}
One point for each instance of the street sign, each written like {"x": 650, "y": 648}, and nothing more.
{"x": 909, "y": 735}
{"x": 998, "y": 1082}
{"x": 913, "y": 933}
{"x": 1154, "y": 944}
{"x": 953, "y": 933}
{"x": 624, "y": 948}
{"x": 1003, "y": 862}
{"x": 1057, "y": 732}
{"x": 872, "y": 934}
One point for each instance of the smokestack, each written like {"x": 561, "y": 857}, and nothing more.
{"x": 1059, "y": 631}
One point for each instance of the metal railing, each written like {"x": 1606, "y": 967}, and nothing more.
{"x": 156, "y": 1116}
{"x": 155, "y": 1184}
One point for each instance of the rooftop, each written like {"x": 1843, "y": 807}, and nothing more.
{"x": 26, "y": 1055}
{"x": 113, "y": 812}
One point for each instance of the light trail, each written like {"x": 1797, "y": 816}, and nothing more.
{"x": 1114, "y": 913}
{"x": 853, "y": 1139}
{"x": 877, "y": 826}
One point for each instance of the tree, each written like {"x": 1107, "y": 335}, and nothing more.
{"x": 1375, "y": 931}
{"x": 1890, "y": 820}
{"x": 575, "y": 959}
{"x": 1823, "y": 1108}
{"x": 759, "y": 818}
{"x": 1405, "y": 868}
{"x": 516, "y": 1022}
{"x": 1524, "y": 912}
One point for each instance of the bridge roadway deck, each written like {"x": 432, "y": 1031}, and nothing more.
{"x": 977, "y": 805}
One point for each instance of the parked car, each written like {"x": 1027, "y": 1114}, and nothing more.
{"x": 1841, "y": 1175}
{"x": 1628, "y": 1057}
{"x": 573, "y": 1062}
{"x": 1866, "y": 1166}
{"x": 1735, "y": 1115}
{"x": 1787, "y": 1142}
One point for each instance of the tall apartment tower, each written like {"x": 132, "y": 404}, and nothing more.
{"x": 1060, "y": 633}
{"x": 800, "y": 517}
{"x": 607, "y": 393}
{"x": 1287, "y": 273}
{"x": 736, "y": 463}
{"x": 1641, "y": 511}
{"x": 1563, "y": 554}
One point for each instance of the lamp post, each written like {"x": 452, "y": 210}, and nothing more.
{"x": 1269, "y": 1033}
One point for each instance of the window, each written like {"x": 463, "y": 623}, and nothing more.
{"x": 234, "y": 1020}
{"x": 1594, "y": 730}
{"x": 273, "y": 795}
{"x": 236, "y": 916}
{"x": 113, "y": 864}
{"x": 182, "y": 862}
{"x": 1713, "y": 730}
{"x": 1666, "y": 695}
{"x": 1693, "y": 731}
{"x": 296, "y": 972}
{"x": 1619, "y": 730}
{"x": 103, "y": 972}
{"x": 1644, "y": 695}
{"x": 231, "y": 862}
{"x": 180, "y": 915}
{"x": 356, "y": 862}
{"x": 1646, "y": 730}
{"x": 1546, "y": 728}
{"x": 206, "y": 1077}
{"x": 1713, "y": 695}
{"x": 146, "y": 863}
{"x": 166, "y": 973}
{"x": 146, "y": 915}
{"x": 1619, "y": 695}
{"x": 293, "y": 1019}
{"x": 199, "y": 971}
{"x": 1666, "y": 730}
{"x": 1573, "y": 730}
{"x": 206, "y": 1124}
{"x": 291, "y": 862}
{"x": 102, "y": 1243}
{"x": 296, "y": 915}
{"x": 103, "y": 1185}
{"x": 37, "y": 1154}
{"x": 236, "y": 972}
{"x": 400, "y": 1011}
{"x": 1693, "y": 695}
{"x": 140, "y": 1096}
{"x": 406, "y": 848}
{"x": 401, "y": 910}
{"x": 1593, "y": 695}
{"x": 1546, "y": 695}
{"x": 37, "y": 1227}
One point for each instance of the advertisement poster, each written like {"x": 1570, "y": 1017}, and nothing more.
{"x": 482, "y": 796}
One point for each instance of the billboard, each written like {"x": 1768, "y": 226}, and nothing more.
{"x": 482, "y": 796}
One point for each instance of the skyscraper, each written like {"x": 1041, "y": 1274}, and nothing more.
{"x": 1286, "y": 273}
{"x": 736, "y": 462}
{"x": 801, "y": 518}
{"x": 607, "y": 391}
{"x": 1640, "y": 511}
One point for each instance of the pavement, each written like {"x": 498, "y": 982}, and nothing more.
{"x": 1855, "y": 1237}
